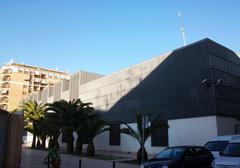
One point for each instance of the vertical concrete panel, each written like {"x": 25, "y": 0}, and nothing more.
{"x": 44, "y": 95}
{"x": 74, "y": 86}
{"x": 88, "y": 76}
{"x": 57, "y": 91}
{"x": 34, "y": 97}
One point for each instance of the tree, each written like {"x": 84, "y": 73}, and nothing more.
{"x": 85, "y": 110}
{"x": 33, "y": 113}
{"x": 92, "y": 126}
{"x": 67, "y": 112}
{"x": 53, "y": 126}
{"x": 138, "y": 134}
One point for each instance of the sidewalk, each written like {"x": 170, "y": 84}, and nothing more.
{"x": 34, "y": 159}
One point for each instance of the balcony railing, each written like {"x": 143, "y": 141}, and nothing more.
{"x": 4, "y": 100}
{"x": 7, "y": 72}
{"x": 4, "y": 92}
{"x": 5, "y": 85}
{"x": 6, "y": 78}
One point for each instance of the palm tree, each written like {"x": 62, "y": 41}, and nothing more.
{"x": 92, "y": 126}
{"x": 140, "y": 131}
{"x": 85, "y": 110}
{"x": 33, "y": 113}
{"x": 67, "y": 112}
{"x": 53, "y": 126}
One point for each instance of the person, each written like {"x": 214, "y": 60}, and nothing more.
{"x": 54, "y": 155}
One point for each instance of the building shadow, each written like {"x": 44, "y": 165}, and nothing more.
{"x": 183, "y": 85}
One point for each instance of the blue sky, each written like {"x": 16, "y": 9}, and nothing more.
{"x": 106, "y": 35}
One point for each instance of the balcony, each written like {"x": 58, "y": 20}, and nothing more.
{"x": 6, "y": 78}
{"x": 4, "y": 92}
{"x": 4, "y": 106}
{"x": 4, "y": 100}
{"x": 5, "y": 85}
{"x": 7, "y": 71}
{"x": 37, "y": 80}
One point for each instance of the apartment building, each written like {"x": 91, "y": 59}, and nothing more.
{"x": 18, "y": 81}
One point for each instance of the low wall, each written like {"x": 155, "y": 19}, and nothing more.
{"x": 11, "y": 127}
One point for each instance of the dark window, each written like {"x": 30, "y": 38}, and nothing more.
{"x": 189, "y": 153}
{"x": 201, "y": 152}
{"x": 114, "y": 134}
{"x": 216, "y": 145}
{"x": 159, "y": 136}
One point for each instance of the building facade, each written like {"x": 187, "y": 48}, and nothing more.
{"x": 194, "y": 89}
{"x": 18, "y": 81}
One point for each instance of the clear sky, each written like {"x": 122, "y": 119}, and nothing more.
{"x": 105, "y": 36}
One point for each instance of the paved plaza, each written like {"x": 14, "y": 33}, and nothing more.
{"x": 35, "y": 158}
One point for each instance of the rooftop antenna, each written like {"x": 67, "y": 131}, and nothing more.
{"x": 182, "y": 29}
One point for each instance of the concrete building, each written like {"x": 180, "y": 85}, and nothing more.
{"x": 18, "y": 81}
{"x": 195, "y": 89}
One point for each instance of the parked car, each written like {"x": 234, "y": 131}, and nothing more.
{"x": 219, "y": 143}
{"x": 181, "y": 157}
{"x": 230, "y": 157}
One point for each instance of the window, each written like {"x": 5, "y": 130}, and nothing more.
{"x": 201, "y": 152}
{"x": 159, "y": 137}
{"x": 114, "y": 134}
{"x": 232, "y": 150}
{"x": 189, "y": 153}
{"x": 170, "y": 153}
{"x": 216, "y": 145}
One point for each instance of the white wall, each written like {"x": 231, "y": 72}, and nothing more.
{"x": 127, "y": 143}
{"x": 192, "y": 131}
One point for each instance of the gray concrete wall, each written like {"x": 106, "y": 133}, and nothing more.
{"x": 78, "y": 79}
{"x": 106, "y": 91}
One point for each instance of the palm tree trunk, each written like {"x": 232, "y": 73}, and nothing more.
{"x": 33, "y": 142}
{"x": 55, "y": 139}
{"x": 43, "y": 145}
{"x": 38, "y": 143}
{"x": 90, "y": 149}
{"x": 139, "y": 155}
{"x": 70, "y": 140}
{"x": 78, "y": 147}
